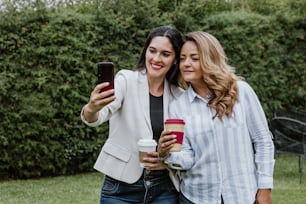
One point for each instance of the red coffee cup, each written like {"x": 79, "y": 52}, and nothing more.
{"x": 176, "y": 126}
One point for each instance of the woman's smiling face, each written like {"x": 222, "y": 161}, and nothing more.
{"x": 160, "y": 56}
{"x": 190, "y": 66}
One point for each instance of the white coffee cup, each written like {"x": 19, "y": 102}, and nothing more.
{"x": 144, "y": 146}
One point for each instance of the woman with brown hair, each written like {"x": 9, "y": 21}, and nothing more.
{"x": 136, "y": 109}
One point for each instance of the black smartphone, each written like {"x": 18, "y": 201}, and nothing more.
{"x": 106, "y": 74}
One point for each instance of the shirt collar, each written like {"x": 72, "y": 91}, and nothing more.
{"x": 192, "y": 95}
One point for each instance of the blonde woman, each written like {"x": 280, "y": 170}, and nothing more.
{"x": 228, "y": 153}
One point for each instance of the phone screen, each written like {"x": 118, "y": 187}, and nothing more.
{"x": 106, "y": 74}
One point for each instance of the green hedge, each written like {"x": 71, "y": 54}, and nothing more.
{"x": 269, "y": 52}
{"x": 48, "y": 70}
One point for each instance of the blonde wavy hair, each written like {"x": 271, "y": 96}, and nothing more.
{"x": 218, "y": 75}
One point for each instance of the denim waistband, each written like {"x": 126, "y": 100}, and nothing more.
{"x": 156, "y": 173}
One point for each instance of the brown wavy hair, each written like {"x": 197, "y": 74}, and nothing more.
{"x": 218, "y": 75}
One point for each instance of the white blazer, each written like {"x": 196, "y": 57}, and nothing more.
{"x": 129, "y": 121}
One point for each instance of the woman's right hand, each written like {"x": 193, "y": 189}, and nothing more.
{"x": 165, "y": 143}
{"x": 98, "y": 99}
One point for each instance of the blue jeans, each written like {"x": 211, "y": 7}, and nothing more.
{"x": 149, "y": 189}
{"x": 184, "y": 200}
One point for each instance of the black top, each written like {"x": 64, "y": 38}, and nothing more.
{"x": 157, "y": 123}
{"x": 156, "y": 115}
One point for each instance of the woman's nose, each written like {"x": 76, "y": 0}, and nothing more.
{"x": 186, "y": 62}
{"x": 156, "y": 57}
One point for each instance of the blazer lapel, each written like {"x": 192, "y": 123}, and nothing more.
{"x": 143, "y": 97}
{"x": 167, "y": 98}
{"x": 170, "y": 93}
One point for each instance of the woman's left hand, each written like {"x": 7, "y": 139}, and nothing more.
{"x": 152, "y": 162}
{"x": 264, "y": 196}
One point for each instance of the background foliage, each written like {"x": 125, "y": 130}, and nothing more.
{"x": 49, "y": 51}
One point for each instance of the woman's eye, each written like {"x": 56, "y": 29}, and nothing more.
{"x": 152, "y": 51}
{"x": 166, "y": 54}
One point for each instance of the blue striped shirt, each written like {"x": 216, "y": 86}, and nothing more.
{"x": 219, "y": 156}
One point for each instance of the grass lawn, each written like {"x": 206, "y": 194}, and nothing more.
{"x": 85, "y": 188}
{"x": 287, "y": 187}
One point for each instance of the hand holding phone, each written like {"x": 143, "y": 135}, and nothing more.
{"x": 106, "y": 74}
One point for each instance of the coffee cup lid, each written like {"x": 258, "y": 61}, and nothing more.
{"x": 175, "y": 121}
